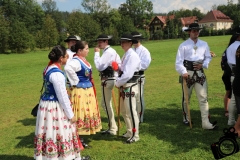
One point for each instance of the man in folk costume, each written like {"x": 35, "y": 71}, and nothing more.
{"x": 71, "y": 41}
{"x": 127, "y": 82}
{"x": 193, "y": 55}
{"x": 231, "y": 60}
{"x": 145, "y": 58}
{"x": 107, "y": 64}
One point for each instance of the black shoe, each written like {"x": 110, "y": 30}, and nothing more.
{"x": 107, "y": 132}
{"x": 129, "y": 141}
{"x": 86, "y": 158}
{"x": 186, "y": 122}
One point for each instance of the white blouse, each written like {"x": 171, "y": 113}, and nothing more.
{"x": 144, "y": 56}
{"x": 71, "y": 68}
{"x": 130, "y": 63}
{"x": 231, "y": 53}
{"x": 58, "y": 81}
{"x": 190, "y": 51}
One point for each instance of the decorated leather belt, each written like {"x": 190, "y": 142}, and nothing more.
{"x": 141, "y": 72}
{"x": 133, "y": 79}
{"x": 189, "y": 65}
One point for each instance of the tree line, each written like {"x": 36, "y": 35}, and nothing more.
{"x": 27, "y": 25}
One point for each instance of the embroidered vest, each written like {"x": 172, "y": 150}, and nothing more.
{"x": 49, "y": 92}
{"x": 83, "y": 76}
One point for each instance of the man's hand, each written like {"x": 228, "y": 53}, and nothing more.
{"x": 96, "y": 49}
{"x": 185, "y": 75}
{"x": 197, "y": 66}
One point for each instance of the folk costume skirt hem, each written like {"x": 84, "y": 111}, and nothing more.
{"x": 55, "y": 137}
{"x": 86, "y": 110}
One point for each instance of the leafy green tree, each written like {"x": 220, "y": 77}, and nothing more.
{"x": 83, "y": 25}
{"x": 50, "y": 32}
{"x": 125, "y": 25}
{"x": 49, "y": 6}
{"x": 19, "y": 39}
{"x": 4, "y": 32}
{"x": 92, "y": 6}
{"x": 140, "y": 11}
{"x": 39, "y": 39}
{"x": 27, "y": 11}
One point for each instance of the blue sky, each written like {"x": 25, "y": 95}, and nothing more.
{"x": 159, "y": 6}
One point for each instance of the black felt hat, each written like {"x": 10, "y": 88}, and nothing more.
{"x": 128, "y": 37}
{"x": 72, "y": 37}
{"x": 103, "y": 37}
{"x": 193, "y": 26}
{"x": 136, "y": 35}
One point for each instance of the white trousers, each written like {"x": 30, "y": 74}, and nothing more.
{"x": 232, "y": 108}
{"x": 106, "y": 102}
{"x": 140, "y": 98}
{"x": 201, "y": 93}
{"x": 128, "y": 109}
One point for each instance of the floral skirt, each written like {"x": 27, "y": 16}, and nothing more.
{"x": 55, "y": 137}
{"x": 86, "y": 110}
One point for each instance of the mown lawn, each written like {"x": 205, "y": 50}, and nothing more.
{"x": 163, "y": 136}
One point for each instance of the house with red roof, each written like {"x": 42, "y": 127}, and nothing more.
{"x": 158, "y": 22}
{"x": 186, "y": 21}
{"x": 216, "y": 20}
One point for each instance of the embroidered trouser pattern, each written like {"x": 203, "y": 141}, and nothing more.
{"x": 197, "y": 80}
{"x": 129, "y": 111}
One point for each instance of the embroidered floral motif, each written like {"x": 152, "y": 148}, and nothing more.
{"x": 128, "y": 94}
{"x": 196, "y": 79}
{"x": 53, "y": 149}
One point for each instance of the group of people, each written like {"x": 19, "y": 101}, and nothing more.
{"x": 69, "y": 108}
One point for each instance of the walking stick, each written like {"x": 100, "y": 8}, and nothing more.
{"x": 115, "y": 104}
{"x": 185, "y": 90}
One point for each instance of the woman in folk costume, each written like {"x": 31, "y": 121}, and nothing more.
{"x": 55, "y": 135}
{"x": 127, "y": 82}
{"x": 82, "y": 95}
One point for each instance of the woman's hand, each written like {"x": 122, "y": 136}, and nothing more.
{"x": 73, "y": 120}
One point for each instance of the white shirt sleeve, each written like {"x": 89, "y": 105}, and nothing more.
{"x": 207, "y": 57}
{"x": 131, "y": 65}
{"x": 58, "y": 81}
{"x": 179, "y": 61}
{"x": 70, "y": 69}
{"x": 102, "y": 62}
{"x": 145, "y": 59}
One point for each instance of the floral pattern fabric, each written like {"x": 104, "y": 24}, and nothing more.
{"x": 55, "y": 137}
{"x": 86, "y": 110}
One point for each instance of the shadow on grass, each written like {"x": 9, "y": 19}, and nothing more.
{"x": 28, "y": 121}
{"x": 166, "y": 124}
{"x": 26, "y": 141}
{"x": 15, "y": 157}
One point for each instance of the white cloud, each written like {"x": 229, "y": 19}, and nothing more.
{"x": 164, "y": 6}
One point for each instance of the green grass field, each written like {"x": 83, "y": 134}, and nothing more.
{"x": 163, "y": 136}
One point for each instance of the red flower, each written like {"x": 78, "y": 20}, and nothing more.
{"x": 134, "y": 129}
{"x": 50, "y": 149}
{"x": 57, "y": 128}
